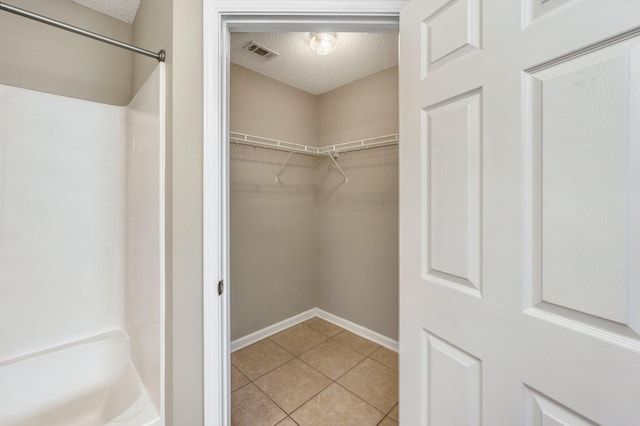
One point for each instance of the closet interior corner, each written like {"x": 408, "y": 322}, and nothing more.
{"x": 313, "y": 154}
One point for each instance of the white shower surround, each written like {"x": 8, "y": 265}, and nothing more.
{"x": 81, "y": 258}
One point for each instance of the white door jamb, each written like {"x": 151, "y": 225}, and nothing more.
{"x": 220, "y": 18}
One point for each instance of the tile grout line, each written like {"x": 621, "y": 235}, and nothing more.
{"x": 344, "y": 387}
{"x": 347, "y": 372}
{"x": 270, "y": 338}
{"x": 287, "y": 415}
{"x": 268, "y": 397}
{"x": 387, "y": 415}
{"x": 283, "y": 348}
{"x": 338, "y": 384}
{"x": 305, "y": 401}
{"x": 311, "y": 366}
{"x": 332, "y": 381}
{"x": 361, "y": 399}
{"x": 355, "y": 366}
{"x": 315, "y": 369}
{"x": 269, "y": 371}
{"x": 294, "y": 357}
{"x": 384, "y": 365}
{"x": 276, "y": 404}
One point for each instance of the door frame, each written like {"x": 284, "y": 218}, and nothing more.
{"x": 221, "y": 17}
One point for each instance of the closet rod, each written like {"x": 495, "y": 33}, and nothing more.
{"x": 160, "y": 56}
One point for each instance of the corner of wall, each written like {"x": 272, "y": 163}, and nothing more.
{"x": 64, "y": 63}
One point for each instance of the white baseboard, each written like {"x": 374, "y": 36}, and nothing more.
{"x": 359, "y": 330}
{"x": 254, "y": 337}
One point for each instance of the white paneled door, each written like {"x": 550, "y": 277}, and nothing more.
{"x": 520, "y": 212}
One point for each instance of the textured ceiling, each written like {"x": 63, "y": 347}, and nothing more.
{"x": 124, "y": 10}
{"x": 357, "y": 55}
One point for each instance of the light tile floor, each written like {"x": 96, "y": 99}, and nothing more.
{"x": 314, "y": 374}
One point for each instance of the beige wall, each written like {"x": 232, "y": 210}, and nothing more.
{"x": 265, "y": 107}
{"x": 186, "y": 359}
{"x": 272, "y": 227}
{"x": 358, "y": 240}
{"x": 152, "y": 30}
{"x": 365, "y": 108}
{"x": 40, "y": 57}
{"x": 314, "y": 241}
{"x": 273, "y": 238}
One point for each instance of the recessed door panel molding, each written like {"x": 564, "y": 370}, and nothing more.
{"x": 584, "y": 185}
{"x": 451, "y": 32}
{"x": 540, "y": 410}
{"x": 452, "y": 383}
{"x": 452, "y": 181}
{"x": 533, "y": 9}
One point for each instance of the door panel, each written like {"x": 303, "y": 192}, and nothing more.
{"x": 520, "y": 212}
{"x": 452, "y": 164}
{"x": 450, "y": 32}
{"x": 585, "y": 172}
{"x": 454, "y": 384}
{"x": 540, "y": 410}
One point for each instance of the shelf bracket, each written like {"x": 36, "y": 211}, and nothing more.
{"x": 283, "y": 166}
{"x": 346, "y": 179}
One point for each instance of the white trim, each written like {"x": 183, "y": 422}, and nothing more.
{"x": 359, "y": 330}
{"x": 216, "y": 358}
{"x": 256, "y": 336}
{"x": 308, "y": 7}
{"x": 219, "y": 17}
{"x": 162, "y": 111}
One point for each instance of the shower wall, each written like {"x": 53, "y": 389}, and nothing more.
{"x": 144, "y": 230}
{"x": 62, "y": 186}
{"x": 81, "y": 227}
{"x": 47, "y": 59}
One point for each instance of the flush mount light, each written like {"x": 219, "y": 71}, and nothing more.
{"x": 323, "y": 43}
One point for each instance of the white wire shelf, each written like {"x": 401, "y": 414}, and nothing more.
{"x": 360, "y": 144}
{"x": 244, "y": 139}
{"x": 329, "y": 150}
{"x": 252, "y": 140}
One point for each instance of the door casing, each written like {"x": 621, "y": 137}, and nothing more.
{"x": 220, "y": 19}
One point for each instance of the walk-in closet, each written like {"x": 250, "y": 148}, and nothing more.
{"x": 314, "y": 228}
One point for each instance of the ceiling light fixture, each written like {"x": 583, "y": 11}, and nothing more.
{"x": 323, "y": 43}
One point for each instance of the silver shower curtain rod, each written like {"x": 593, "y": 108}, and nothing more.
{"x": 160, "y": 56}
